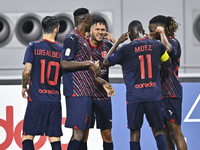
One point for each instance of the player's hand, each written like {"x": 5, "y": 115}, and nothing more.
{"x": 109, "y": 37}
{"x": 147, "y": 36}
{"x": 160, "y": 29}
{"x": 87, "y": 34}
{"x": 123, "y": 37}
{"x": 95, "y": 68}
{"x": 109, "y": 89}
{"x": 24, "y": 91}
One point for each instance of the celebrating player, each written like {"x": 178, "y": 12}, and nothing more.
{"x": 42, "y": 66}
{"x": 140, "y": 63}
{"x": 102, "y": 109}
{"x": 164, "y": 28}
{"x": 78, "y": 78}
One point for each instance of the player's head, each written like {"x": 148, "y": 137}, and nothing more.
{"x": 98, "y": 28}
{"x": 50, "y": 24}
{"x": 136, "y": 30}
{"x": 82, "y": 17}
{"x": 170, "y": 25}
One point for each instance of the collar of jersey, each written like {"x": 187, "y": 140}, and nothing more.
{"x": 88, "y": 39}
{"x": 139, "y": 39}
{"x": 49, "y": 41}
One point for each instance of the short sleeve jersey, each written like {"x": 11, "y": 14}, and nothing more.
{"x": 46, "y": 72}
{"x": 171, "y": 86}
{"x": 79, "y": 82}
{"x": 140, "y": 64}
{"x": 99, "y": 53}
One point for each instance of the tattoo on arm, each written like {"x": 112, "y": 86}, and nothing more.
{"x": 25, "y": 75}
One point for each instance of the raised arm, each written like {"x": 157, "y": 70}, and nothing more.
{"x": 123, "y": 38}
{"x": 164, "y": 39}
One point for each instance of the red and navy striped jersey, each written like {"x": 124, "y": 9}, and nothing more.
{"x": 99, "y": 53}
{"x": 171, "y": 86}
{"x": 140, "y": 61}
{"x": 79, "y": 82}
{"x": 45, "y": 75}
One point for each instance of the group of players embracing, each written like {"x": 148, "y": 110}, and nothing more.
{"x": 83, "y": 61}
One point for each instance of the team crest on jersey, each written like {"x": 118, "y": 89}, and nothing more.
{"x": 104, "y": 54}
{"x": 67, "y": 52}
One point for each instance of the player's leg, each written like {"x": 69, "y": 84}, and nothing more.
{"x": 170, "y": 141}
{"x": 173, "y": 113}
{"x": 27, "y": 142}
{"x": 154, "y": 115}
{"x": 79, "y": 110}
{"x": 135, "y": 139}
{"x": 34, "y": 123}
{"x": 103, "y": 115}
{"x": 135, "y": 113}
{"x": 55, "y": 143}
{"x": 84, "y": 144}
{"x": 107, "y": 139}
{"x": 53, "y": 127}
{"x": 175, "y": 132}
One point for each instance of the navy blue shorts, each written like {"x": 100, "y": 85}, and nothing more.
{"x": 102, "y": 112}
{"x": 152, "y": 110}
{"x": 79, "y": 111}
{"x": 172, "y": 109}
{"x": 43, "y": 117}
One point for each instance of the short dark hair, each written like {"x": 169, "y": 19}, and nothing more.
{"x": 98, "y": 19}
{"x": 80, "y": 11}
{"x": 168, "y": 22}
{"x": 49, "y": 23}
{"x": 135, "y": 23}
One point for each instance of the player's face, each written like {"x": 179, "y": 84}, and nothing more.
{"x": 98, "y": 31}
{"x": 152, "y": 31}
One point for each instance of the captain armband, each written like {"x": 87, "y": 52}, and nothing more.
{"x": 164, "y": 57}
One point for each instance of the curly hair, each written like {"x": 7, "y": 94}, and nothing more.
{"x": 169, "y": 22}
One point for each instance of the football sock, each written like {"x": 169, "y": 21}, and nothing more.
{"x": 107, "y": 146}
{"x": 74, "y": 145}
{"x": 56, "y": 145}
{"x": 83, "y": 146}
{"x": 161, "y": 142}
{"x": 135, "y": 146}
{"x": 27, "y": 145}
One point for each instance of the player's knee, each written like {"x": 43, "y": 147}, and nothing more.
{"x": 27, "y": 137}
{"x": 106, "y": 135}
{"x": 80, "y": 135}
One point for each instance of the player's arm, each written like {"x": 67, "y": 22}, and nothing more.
{"x": 123, "y": 38}
{"x": 25, "y": 78}
{"x": 166, "y": 60}
{"x": 107, "y": 87}
{"x": 75, "y": 65}
{"x": 164, "y": 39}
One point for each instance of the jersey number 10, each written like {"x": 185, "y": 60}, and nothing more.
{"x": 149, "y": 66}
{"x": 50, "y": 64}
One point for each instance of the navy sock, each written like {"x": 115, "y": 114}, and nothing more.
{"x": 74, "y": 145}
{"x": 161, "y": 142}
{"x": 83, "y": 146}
{"x": 107, "y": 146}
{"x": 27, "y": 145}
{"x": 56, "y": 145}
{"x": 135, "y": 146}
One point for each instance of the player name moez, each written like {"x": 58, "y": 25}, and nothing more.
{"x": 143, "y": 48}
{"x": 45, "y": 52}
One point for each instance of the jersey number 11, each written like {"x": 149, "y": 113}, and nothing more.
{"x": 149, "y": 66}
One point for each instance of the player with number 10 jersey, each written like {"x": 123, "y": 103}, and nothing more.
{"x": 46, "y": 73}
